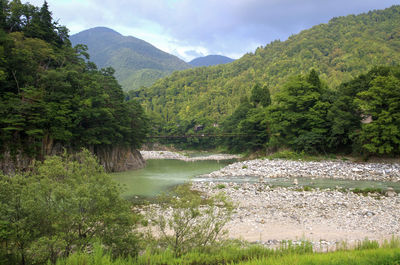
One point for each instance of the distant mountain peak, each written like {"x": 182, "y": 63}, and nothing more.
{"x": 136, "y": 62}
{"x": 97, "y": 30}
{"x": 210, "y": 60}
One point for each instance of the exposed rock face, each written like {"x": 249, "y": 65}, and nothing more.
{"x": 10, "y": 164}
{"x": 113, "y": 159}
{"x": 120, "y": 159}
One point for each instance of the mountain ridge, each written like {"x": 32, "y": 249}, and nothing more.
{"x": 338, "y": 50}
{"x": 210, "y": 60}
{"x": 137, "y": 63}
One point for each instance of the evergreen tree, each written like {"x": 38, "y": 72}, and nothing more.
{"x": 298, "y": 115}
{"x": 381, "y": 102}
{"x": 4, "y": 13}
{"x": 260, "y": 95}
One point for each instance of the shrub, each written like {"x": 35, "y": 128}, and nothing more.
{"x": 195, "y": 222}
{"x": 64, "y": 205}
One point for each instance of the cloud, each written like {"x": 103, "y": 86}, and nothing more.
{"x": 192, "y": 27}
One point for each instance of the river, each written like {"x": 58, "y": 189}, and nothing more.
{"x": 161, "y": 174}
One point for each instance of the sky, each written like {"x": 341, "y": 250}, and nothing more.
{"x": 194, "y": 28}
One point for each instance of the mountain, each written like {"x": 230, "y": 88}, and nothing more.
{"x": 210, "y": 60}
{"x": 136, "y": 62}
{"x": 339, "y": 51}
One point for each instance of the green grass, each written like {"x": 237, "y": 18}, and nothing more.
{"x": 355, "y": 257}
{"x": 366, "y": 191}
{"x": 366, "y": 252}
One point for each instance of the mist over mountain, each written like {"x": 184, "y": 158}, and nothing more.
{"x": 137, "y": 63}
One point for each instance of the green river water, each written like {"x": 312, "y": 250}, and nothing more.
{"x": 160, "y": 175}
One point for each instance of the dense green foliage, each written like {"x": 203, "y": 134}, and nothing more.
{"x": 137, "y": 63}
{"x": 49, "y": 95}
{"x": 298, "y": 116}
{"x": 360, "y": 116}
{"x": 339, "y": 51}
{"x": 62, "y": 206}
{"x": 365, "y": 113}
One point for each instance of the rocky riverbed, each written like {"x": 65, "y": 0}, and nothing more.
{"x": 325, "y": 217}
{"x": 270, "y": 215}
{"x": 174, "y": 155}
{"x": 296, "y": 169}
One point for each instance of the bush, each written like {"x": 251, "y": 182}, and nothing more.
{"x": 64, "y": 205}
{"x": 195, "y": 222}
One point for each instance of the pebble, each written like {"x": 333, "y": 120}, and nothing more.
{"x": 344, "y": 211}
{"x": 297, "y": 169}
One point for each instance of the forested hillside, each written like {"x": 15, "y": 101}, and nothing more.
{"x": 339, "y": 51}
{"x": 136, "y": 62}
{"x": 50, "y": 98}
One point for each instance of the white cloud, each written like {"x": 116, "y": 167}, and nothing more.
{"x": 227, "y": 27}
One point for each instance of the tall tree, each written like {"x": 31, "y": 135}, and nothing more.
{"x": 4, "y": 13}
{"x": 381, "y": 102}
{"x": 298, "y": 115}
{"x": 260, "y": 95}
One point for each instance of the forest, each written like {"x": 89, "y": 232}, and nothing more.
{"x": 359, "y": 117}
{"x": 52, "y": 96}
{"x": 332, "y": 89}
{"x": 352, "y": 59}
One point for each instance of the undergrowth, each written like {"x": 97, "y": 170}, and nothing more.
{"x": 366, "y": 252}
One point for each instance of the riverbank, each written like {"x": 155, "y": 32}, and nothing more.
{"x": 278, "y": 168}
{"x": 178, "y": 156}
{"x": 325, "y": 217}
{"x": 328, "y": 217}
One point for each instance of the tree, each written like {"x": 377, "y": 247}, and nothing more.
{"x": 231, "y": 126}
{"x": 371, "y": 95}
{"x": 195, "y": 222}
{"x": 260, "y": 95}
{"x": 65, "y": 204}
{"x": 50, "y": 96}
{"x": 4, "y": 13}
{"x": 298, "y": 115}
{"x": 381, "y": 101}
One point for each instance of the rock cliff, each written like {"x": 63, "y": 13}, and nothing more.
{"x": 113, "y": 159}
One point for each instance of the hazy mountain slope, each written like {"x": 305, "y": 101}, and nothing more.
{"x": 339, "y": 50}
{"x": 137, "y": 63}
{"x": 210, "y": 60}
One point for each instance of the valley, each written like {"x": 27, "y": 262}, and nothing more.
{"x": 287, "y": 155}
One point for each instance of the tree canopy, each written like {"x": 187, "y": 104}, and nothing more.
{"x": 339, "y": 51}
{"x": 51, "y": 95}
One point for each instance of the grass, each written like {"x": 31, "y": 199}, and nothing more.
{"x": 366, "y": 191}
{"x": 221, "y": 186}
{"x": 366, "y": 252}
{"x": 354, "y": 257}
